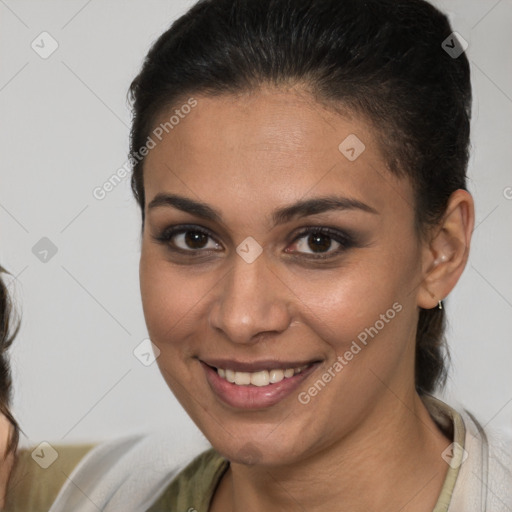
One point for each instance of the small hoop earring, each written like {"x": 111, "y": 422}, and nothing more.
{"x": 439, "y": 302}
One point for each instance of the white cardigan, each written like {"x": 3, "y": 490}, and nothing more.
{"x": 128, "y": 475}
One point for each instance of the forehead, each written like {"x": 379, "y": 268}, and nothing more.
{"x": 269, "y": 147}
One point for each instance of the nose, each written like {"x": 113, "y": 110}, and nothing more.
{"x": 251, "y": 302}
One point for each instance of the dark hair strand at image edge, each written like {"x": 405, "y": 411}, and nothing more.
{"x": 7, "y": 336}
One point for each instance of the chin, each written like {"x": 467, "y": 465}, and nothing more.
{"x": 255, "y": 444}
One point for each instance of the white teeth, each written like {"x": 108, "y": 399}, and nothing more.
{"x": 276, "y": 376}
{"x": 242, "y": 378}
{"x": 261, "y": 378}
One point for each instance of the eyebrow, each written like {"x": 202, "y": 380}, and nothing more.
{"x": 302, "y": 208}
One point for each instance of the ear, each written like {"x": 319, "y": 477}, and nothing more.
{"x": 445, "y": 254}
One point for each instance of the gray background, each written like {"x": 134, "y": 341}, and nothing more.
{"x": 64, "y": 131}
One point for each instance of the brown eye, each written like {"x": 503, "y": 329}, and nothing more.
{"x": 318, "y": 242}
{"x": 188, "y": 239}
{"x": 321, "y": 242}
{"x": 195, "y": 239}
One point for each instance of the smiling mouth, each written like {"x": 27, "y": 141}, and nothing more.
{"x": 260, "y": 378}
{"x": 256, "y": 384}
{"x": 259, "y": 374}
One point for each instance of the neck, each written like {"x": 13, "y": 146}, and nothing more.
{"x": 392, "y": 462}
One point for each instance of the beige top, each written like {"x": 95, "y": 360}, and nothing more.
{"x": 34, "y": 489}
{"x": 194, "y": 487}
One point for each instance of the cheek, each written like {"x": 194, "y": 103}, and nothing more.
{"x": 174, "y": 300}
{"x": 363, "y": 312}
{"x": 341, "y": 303}
{"x": 362, "y": 322}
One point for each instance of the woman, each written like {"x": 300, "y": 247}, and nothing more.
{"x": 300, "y": 168}
{"x": 9, "y": 430}
{"x": 25, "y": 484}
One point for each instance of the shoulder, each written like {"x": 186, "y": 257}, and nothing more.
{"x": 492, "y": 451}
{"x": 485, "y": 476}
{"x": 480, "y": 461}
{"x": 126, "y": 474}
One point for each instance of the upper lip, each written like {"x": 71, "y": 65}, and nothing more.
{"x": 255, "y": 366}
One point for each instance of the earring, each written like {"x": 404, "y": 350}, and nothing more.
{"x": 439, "y": 302}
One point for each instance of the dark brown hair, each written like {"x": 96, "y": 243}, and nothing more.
{"x": 382, "y": 59}
{"x": 7, "y": 335}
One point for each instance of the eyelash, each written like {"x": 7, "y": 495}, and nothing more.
{"x": 345, "y": 240}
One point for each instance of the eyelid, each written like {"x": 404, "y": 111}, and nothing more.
{"x": 327, "y": 230}
{"x": 169, "y": 232}
{"x": 342, "y": 237}
{"x": 183, "y": 228}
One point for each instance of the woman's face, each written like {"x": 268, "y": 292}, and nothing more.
{"x": 288, "y": 253}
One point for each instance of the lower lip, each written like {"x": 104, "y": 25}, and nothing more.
{"x": 254, "y": 397}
